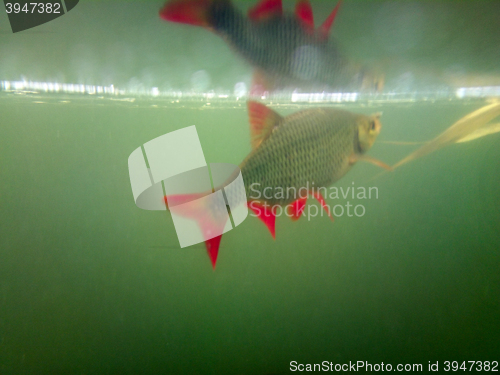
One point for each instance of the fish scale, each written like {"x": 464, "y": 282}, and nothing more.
{"x": 310, "y": 148}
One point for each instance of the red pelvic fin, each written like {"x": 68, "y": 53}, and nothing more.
{"x": 303, "y": 11}
{"x": 191, "y": 12}
{"x": 265, "y": 9}
{"x": 321, "y": 200}
{"x": 297, "y": 208}
{"x": 266, "y": 214}
{"x": 324, "y": 29}
{"x": 262, "y": 122}
{"x": 213, "y": 249}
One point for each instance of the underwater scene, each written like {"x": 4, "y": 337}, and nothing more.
{"x": 249, "y": 187}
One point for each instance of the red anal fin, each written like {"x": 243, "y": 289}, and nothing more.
{"x": 266, "y": 214}
{"x": 213, "y": 249}
{"x": 297, "y": 208}
{"x": 324, "y": 29}
{"x": 303, "y": 11}
{"x": 191, "y": 12}
{"x": 265, "y": 9}
{"x": 321, "y": 200}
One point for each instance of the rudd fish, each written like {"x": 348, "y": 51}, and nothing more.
{"x": 290, "y": 155}
{"x": 286, "y": 50}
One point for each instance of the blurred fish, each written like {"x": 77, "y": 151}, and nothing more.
{"x": 468, "y": 128}
{"x": 292, "y": 157}
{"x": 286, "y": 50}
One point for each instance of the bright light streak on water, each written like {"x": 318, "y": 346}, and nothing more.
{"x": 240, "y": 92}
{"x": 478, "y": 92}
{"x": 323, "y": 97}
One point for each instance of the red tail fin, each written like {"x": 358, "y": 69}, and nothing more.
{"x": 191, "y": 12}
{"x": 213, "y": 249}
{"x": 187, "y": 206}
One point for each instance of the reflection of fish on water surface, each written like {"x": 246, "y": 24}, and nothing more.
{"x": 287, "y": 51}
{"x": 301, "y": 153}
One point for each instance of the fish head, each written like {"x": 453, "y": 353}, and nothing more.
{"x": 368, "y": 129}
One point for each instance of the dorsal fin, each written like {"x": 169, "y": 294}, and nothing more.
{"x": 262, "y": 122}
{"x": 303, "y": 11}
{"x": 324, "y": 29}
{"x": 265, "y": 9}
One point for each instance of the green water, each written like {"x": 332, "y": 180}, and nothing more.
{"x": 91, "y": 284}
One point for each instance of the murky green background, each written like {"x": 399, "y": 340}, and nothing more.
{"x": 90, "y": 284}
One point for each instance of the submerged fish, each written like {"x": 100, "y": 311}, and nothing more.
{"x": 292, "y": 157}
{"x": 285, "y": 49}
{"x": 468, "y": 128}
